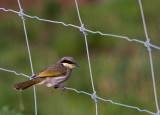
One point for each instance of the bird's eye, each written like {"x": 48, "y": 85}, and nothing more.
{"x": 67, "y": 61}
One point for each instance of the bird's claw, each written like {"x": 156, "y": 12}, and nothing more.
{"x": 62, "y": 87}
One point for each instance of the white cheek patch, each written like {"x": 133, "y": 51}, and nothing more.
{"x": 68, "y": 65}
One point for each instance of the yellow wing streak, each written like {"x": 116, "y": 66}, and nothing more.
{"x": 43, "y": 74}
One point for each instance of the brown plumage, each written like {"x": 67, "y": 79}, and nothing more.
{"x": 52, "y": 76}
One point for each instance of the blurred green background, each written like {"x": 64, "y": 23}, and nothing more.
{"x": 121, "y": 69}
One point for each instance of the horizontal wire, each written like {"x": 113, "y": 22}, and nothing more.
{"x": 12, "y": 71}
{"x": 86, "y": 30}
{"x": 90, "y": 31}
{"x": 83, "y": 92}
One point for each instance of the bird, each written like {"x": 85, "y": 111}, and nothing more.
{"x": 52, "y": 76}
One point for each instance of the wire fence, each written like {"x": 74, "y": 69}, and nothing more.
{"x": 82, "y": 28}
{"x": 89, "y": 94}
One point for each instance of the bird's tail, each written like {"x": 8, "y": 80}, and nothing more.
{"x": 24, "y": 85}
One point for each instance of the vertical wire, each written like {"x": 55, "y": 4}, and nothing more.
{"x": 150, "y": 55}
{"x": 86, "y": 46}
{"x": 85, "y": 35}
{"x": 89, "y": 63}
{"x": 34, "y": 90}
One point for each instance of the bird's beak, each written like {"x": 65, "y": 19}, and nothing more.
{"x": 76, "y": 65}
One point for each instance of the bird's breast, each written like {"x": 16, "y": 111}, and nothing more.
{"x": 53, "y": 81}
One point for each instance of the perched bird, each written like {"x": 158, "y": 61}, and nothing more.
{"x": 52, "y": 76}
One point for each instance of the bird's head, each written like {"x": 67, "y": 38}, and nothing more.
{"x": 68, "y": 62}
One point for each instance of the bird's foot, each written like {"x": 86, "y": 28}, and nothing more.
{"x": 59, "y": 86}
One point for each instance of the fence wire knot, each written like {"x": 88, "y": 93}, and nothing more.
{"x": 147, "y": 44}
{"x": 21, "y": 14}
{"x": 94, "y": 96}
{"x": 158, "y": 113}
{"x": 82, "y": 29}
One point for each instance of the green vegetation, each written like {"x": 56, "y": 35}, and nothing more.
{"x": 121, "y": 69}
{"x": 8, "y": 111}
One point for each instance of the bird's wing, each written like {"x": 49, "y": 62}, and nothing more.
{"x": 51, "y": 71}
{"x": 47, "y": 73}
